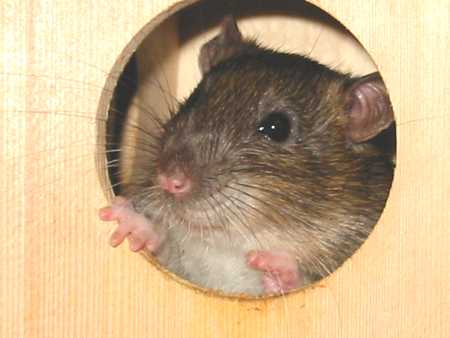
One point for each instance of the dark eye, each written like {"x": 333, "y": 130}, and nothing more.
{"x": 275, "y": 126}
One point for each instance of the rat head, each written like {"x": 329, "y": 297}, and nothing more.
{"x": 271, "y": 141}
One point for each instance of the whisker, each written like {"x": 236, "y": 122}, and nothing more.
{"x": 240, "y": 219}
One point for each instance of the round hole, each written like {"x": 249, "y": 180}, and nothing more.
{"x": 255, "y": 216}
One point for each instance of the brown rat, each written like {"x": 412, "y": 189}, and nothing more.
{"x": 265, "y": 179}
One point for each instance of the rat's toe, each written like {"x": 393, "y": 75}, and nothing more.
{"x": 118, "y": 236}
{"x": 281, "y": 271}
{"x": 140, "y": 238}
{"x": 279, "y": 283}
{"x": 135, "y": 243}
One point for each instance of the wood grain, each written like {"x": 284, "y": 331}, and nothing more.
{"x": 59, "y": 277}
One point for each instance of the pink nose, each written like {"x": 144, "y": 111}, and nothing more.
{"x": 177, "y": 184}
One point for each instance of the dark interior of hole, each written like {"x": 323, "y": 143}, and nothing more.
{"x": 212, "y": 13}
{"x": 386, "y": 141}
{"x": 117, "y": 117}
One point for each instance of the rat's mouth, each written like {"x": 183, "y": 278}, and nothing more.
{"x": 215, "y": 210}
{"x": 213, "y": 213}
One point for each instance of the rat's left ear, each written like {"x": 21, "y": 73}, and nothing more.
{"x": 368, "y": 107}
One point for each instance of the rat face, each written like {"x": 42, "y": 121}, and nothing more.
{"x": 260, "y": 116}
{"x": 272, "y": 146}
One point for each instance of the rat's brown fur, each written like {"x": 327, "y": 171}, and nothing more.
{"x": 317, "y": 195}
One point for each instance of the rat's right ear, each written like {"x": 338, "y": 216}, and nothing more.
{"x": 226, "y": 44}
{"x": 368, "y": 107}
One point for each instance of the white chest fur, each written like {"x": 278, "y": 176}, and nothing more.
{"x": 217, "y": 261}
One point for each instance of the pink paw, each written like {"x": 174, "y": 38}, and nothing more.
{"x": 281, "y": 272}
{"x": 136, "y": 227}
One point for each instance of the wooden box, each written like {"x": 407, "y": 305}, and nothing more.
{"x": 60, "y": 278}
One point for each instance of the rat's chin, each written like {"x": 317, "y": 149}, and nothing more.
{"x": 198, "y": 213}
{"x": 196, "y": 220}
{"x": 203, "y": 228}
{"x": 199, "y": 223}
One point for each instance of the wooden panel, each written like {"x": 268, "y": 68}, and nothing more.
{"x": 59, "y": 277}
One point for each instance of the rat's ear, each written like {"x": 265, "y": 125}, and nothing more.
{"x": 368, "y": 107}
{"x": 226, "y": 44}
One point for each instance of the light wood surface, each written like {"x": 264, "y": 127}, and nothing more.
{"x": 59, "y": 277}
